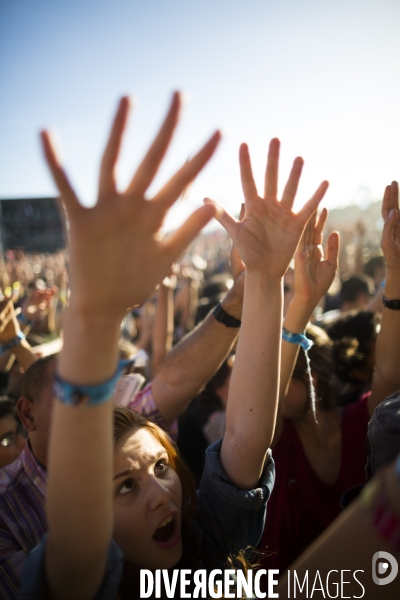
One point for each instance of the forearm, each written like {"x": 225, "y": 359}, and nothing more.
{"x": 295, "y": 321}
{"x": 163, "y": 328}
{"x": 253, "y": 391}
{"x": 193, "y": 361}
{"x": 79, "y": 506}
{"x": 24, "y": 354}
{"x": 388, "y": 342}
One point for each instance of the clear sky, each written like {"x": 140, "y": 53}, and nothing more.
{"x": 323, "y": 76}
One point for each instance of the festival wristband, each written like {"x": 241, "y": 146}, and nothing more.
{"x": 90, "y": 395}
{"x": 296, "y": 338}
{"x": 12, "y": 343}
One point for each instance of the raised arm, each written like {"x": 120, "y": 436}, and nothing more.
{"x": 163, "y": 327}
{"x": 266, "y": 239}
{"x": 196, "y": 358}
{"x": 10, "y": 333}
{"x": 119, "y": 235}
{"x": 386, "y": 379}
{"x": 313, "y": 276}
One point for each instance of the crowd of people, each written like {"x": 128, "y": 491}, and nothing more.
{"x": 159, "y": 391}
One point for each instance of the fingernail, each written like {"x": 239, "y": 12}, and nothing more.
{"x": 391, "y": 213}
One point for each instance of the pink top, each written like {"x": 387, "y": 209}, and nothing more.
{"x": 301, "y": 506}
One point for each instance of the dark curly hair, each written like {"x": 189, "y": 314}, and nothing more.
{"x": 322, "y": 365}
{"x": 354, "y": 337}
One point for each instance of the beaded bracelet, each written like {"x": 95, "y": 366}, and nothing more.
{"x": 90, "y": 395}
{"x": 4, "y": 348}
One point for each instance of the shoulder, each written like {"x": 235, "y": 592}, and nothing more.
{"x": 231, "y": 519}
{"x": 216, "y": 481}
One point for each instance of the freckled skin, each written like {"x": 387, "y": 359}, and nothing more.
{"x": 152, "y": 492}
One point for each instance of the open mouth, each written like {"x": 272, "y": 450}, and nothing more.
{"x": 167, "y": 531}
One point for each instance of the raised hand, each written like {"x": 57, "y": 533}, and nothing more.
{"x": 38, "y": 304}
{"x": 9, "y": 326}
{"x": 391, "y": 231}
{"x": 313, "y": 274}
{"x": 118, "y": 240}
{"x": 270, "y": 231}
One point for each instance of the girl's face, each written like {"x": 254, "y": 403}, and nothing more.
{"x": 147, "y": 497}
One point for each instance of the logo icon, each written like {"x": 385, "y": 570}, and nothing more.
{"x": 386, "y": 560}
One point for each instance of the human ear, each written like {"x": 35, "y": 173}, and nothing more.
{"x": 26, "y": 413}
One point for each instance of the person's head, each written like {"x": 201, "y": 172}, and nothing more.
{"x": 215, "y": 393}
{"x": 298, "y": 402}
{"x": 154, "y": 493}
{"x": 35, "y": 404}
{"x": 354, "y": 338}
{"x": 376, "y": 269}
{"x": 356, "y": 291}
{"x": 12, "y": 441}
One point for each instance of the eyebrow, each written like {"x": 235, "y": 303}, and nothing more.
{"x": 154, "y": 458}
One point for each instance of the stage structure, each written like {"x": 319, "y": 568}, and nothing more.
{"x": 32, "y": 224}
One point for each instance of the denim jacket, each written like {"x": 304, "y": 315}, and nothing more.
{"x": 228, "y": 518}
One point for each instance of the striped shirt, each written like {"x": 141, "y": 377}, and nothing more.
{"x": 144, "y": 404}
{"x": 22, "y": 502}
{"x": 22, "y": 518}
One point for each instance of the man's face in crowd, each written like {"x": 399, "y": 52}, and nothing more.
{"x": 35, "y": 415}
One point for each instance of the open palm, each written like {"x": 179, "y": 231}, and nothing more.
{"x": 269, "y": 233}
{"x": 313, "y": 273}
{"x": 117, "y": 252}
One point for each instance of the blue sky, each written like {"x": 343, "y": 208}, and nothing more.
{"x": 321, "y": 76}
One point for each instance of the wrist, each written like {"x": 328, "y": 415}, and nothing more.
{"x": 90, "y": 348}
{"x": 392, "y": 284}
{"x": 232, "y": 304}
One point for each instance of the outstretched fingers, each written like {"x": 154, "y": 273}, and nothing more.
{"x": 289, "y": 193}
{"x": 66, "y": 190}
{"x": 246, "y": 173}
{"x": 107, "y": 183}
{"x": 176, "y": 185}
{"x": 313, "y": 203}
{"x": 271, "y": 173}
{"x": 319, "y": 227}
{"x": 390, "y": 199}
{"x": 332, "y": 249}
{"x": 151, "y": 162}
{"x": 224, "y": 218}
{"x": 176, "y": 243}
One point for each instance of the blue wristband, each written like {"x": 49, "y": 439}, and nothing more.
{"x": 12, "y": 343}
{"x": 90, "y": 395}
{"x": 296, "y": 338}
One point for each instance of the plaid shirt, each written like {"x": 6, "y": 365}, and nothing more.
{"x": 22, "y": 502}
{"x": 22, "y": 518}
{"x": 144, "y": 404}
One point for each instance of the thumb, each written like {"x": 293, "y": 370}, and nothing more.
{"x": 224, "y": 218}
